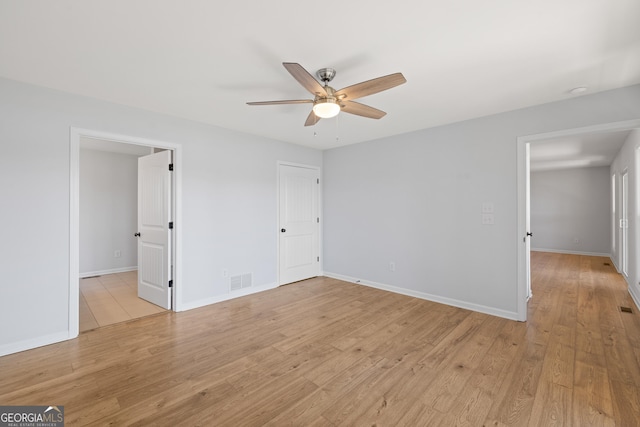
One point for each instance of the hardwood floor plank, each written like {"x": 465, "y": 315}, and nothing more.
{"x": 552, "y": 406}
{"x": 626, "y": 403}
{"x": 469, "y": 409}
{"x": 339, "y": 389}
{"x": 591, "y": 396}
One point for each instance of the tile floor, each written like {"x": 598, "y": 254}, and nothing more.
{"x": 112, "y": 298}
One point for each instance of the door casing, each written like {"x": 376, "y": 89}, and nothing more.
{"x": 319, "y": 171}
{"x": 74, "y": 214}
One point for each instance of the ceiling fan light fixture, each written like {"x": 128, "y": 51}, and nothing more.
{"x": 326, "y": 108}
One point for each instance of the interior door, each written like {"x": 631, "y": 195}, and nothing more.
{"x": 154, "y": 233}
{"x": 299, "y": 223}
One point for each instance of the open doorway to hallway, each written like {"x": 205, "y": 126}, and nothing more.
{"x": 108, "y": 221}
{"x": 107, "y": 250}
{"x": 573, "y": 169}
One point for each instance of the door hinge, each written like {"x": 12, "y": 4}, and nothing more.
{"x": 171, "y": 225}
{"x": 318, "y": 180}
{"x": 318, "y": 220}
{"x": 170, "y": 166}
{"x": 171, "y": 283}
{"x": 318, "y": 259}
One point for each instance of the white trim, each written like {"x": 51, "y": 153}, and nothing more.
{"x": 563, "y": 251}
{"x": 429, "y": 297}
{"x": 74, "y": 213}
{"x": 74, "y": 234}
{"x": 635, "y": 298}
{"x": 320, "y": 228}
{"x": 615, "y": 264}
{"x": 226, "y": 297}
{"x": 521, "y": 166}
{"x": 19, "y": 346}
{"x": 521, "y": 245}
{"x": 109, "y": 271}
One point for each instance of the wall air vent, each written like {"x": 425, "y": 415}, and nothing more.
{"x": 241, "y": 281}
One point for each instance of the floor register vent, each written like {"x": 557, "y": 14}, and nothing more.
{"x": 240, "y": 281}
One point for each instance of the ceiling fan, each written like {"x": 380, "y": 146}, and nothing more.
{"x": 328, "y": 102}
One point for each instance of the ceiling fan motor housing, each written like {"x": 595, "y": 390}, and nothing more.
{"x": 326, "y": 74}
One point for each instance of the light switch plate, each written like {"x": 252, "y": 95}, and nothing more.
{"x": 487, "y": 207}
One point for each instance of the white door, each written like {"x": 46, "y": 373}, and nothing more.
{"x": 154, "y": 234}
{"x": 299, "y": 223}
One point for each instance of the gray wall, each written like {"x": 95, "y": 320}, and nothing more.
{"x": 571, "y": 210}
{"x": 416, "y": 200}
{"x": 229, "y": 203}
{"x": 108, "y": 211}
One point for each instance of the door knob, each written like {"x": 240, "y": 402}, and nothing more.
{"x": 530, "y": 234}
{"x": 283, "y": 230}
{"x": 137, "y": 235}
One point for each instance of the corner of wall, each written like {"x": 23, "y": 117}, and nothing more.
{"x": 634, "y": 291}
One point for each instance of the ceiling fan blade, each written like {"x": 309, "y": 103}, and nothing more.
{"x": 358, "y": 109}
{"x": 290, "y": 101}
{"x": 304, "y": 78}
{"x": 312, "y": 119}
{"x": 371, "y": 86}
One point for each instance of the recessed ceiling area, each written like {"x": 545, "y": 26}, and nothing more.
{"x": 203, "y": 61}
{"x": 577, "y": 151}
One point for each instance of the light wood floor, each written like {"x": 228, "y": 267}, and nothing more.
{"x": 112, "y": 298}
{"x": 324, "y": 352}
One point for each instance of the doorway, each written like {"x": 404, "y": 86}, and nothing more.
{"x": 74, "y": 267}
{"x": 523, "y": 177}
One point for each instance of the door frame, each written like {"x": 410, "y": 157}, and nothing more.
{"x": 623, "y": 224}
{"x": 523, "y": 268}
{"x": 277, "y": 228}
{"x": 74, "y": 214}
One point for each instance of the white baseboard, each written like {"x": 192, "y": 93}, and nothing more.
{"x": 33, "y": 343}
{"x": 220, "y": 298}
{"x": 429, "y": 297}
{"x": 110, "y": 271}
{"x": 615, "y": 264}
{"x": 562, "y": 251}
{"x": 634, "y": 297}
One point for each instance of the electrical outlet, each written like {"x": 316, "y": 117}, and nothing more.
{"x": 117, "y": 254}
{"x": 225, "y": 273}
{"x": 392, "y": 266}
{"x": 487, "y": 207}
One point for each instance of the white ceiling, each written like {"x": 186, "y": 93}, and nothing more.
{"x": 579, "y": 151}
{"x": 203, "y": 60}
